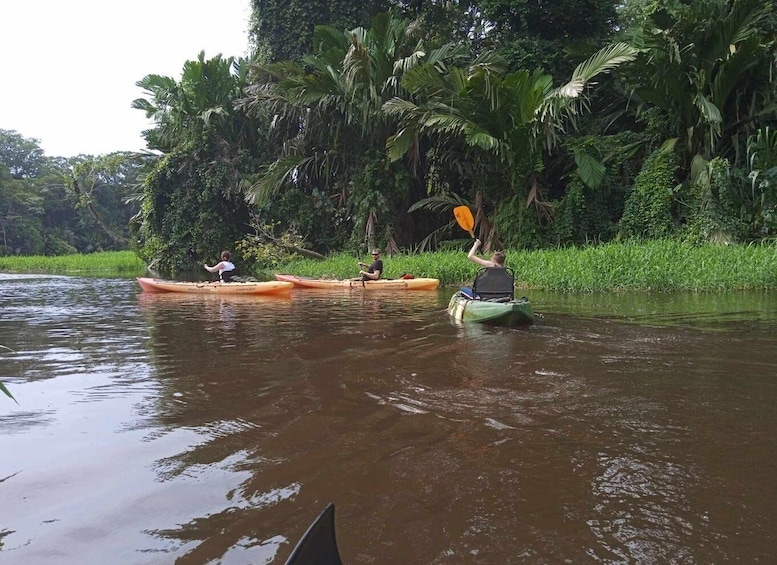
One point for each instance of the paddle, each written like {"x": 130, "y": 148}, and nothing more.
{"x": 465, "y": 219}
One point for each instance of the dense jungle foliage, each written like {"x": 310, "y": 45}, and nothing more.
{"x": 354, "y": 125}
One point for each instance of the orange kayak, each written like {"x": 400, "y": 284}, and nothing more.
{"x": 267, "y": 288}
{"x": 382, "y": 284}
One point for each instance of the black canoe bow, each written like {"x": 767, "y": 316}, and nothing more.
{"x": 318, "y": 546}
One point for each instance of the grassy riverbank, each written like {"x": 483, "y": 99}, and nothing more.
{"x": 108, "y": 261}
{"x": 661, "y": 266}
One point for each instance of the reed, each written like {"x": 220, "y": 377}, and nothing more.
{"x": 659, "y": 266}
{"x": 113, "y": 261}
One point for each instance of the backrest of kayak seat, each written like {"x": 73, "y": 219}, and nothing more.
{"x": 493, "y": 283}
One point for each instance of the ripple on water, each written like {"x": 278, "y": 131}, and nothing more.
{"x": 192, "y": 428}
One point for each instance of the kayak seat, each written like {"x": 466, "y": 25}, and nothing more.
{"x": 227, "y": 276}
{"x": 495, "y": 284}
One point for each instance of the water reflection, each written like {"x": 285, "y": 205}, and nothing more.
{"x": 160, "y": 428}
{"x": 709, "y": 310}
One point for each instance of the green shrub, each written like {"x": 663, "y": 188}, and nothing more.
{"x": 648, "y": 210}
{"x": 711, "y": 211}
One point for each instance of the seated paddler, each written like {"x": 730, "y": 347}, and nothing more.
{"x": 497, "y": 260}
{"x": 225, "y": 268}
{"x": 373, "y": 270}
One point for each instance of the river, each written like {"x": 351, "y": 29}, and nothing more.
{"x": 161, "y": 429}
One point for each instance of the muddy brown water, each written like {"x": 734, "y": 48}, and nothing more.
{"x": 156, "y": 429}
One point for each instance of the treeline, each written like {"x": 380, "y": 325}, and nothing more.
{"x": 60, "y": 206}
{"x": 559, "y": 123}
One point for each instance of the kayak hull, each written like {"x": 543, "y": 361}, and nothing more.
{"x": 382, "y": 284}
{"x": 270, "y": 288}
{"x": 511, "y": 313}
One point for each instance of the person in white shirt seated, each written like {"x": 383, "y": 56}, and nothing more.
{"x": 497, "y": 260}
{"x": 225, "y": 268}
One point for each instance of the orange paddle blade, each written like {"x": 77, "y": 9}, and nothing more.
{"x": 465, "y": 219}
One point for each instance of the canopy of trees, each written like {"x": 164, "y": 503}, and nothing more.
{"x": 364, "y": 124}
{"x": 55, "y": 206}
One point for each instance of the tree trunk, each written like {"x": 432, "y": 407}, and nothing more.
{"x": 116, "y": 237}
{"x": 301, "y": 251}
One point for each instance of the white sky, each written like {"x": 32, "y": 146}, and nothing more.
{"x": 68, "y": 68}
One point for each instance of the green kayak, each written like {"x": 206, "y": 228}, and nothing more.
{"x": 498, "y": 312}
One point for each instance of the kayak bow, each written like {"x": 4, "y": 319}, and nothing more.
{"x": 318, "y": 546}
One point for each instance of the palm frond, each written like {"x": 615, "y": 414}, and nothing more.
{"x": 590, "y": 170}
{"x": 444, "y": 123}
{"x": 404, "y": 64}
{"x": 400, "y": 143}
{"x": 708, "y": 110}
{"x": 400, "y": 107}
{"x": 450, "y": 53}
{"x": 439, "y": 203}
{"x": 273, "y": 178}
{"x": 483, "y": 140}
{"x": 603, "y": 61}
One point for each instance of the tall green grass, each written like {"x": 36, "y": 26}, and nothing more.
{"x": 113, "y": 261}
{"x": 659, "y": 266}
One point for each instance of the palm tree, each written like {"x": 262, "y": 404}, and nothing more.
{"x": 194, "y": 197}
{"x": 708, "y": 68}
{"x": 200, "y": 105}
{"x": 704, "y": 84}
{"x": 494, "y": 121}
{"x": 329, "y": 112}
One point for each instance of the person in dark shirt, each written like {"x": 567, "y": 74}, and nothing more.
{"x": 374, "y": 269}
